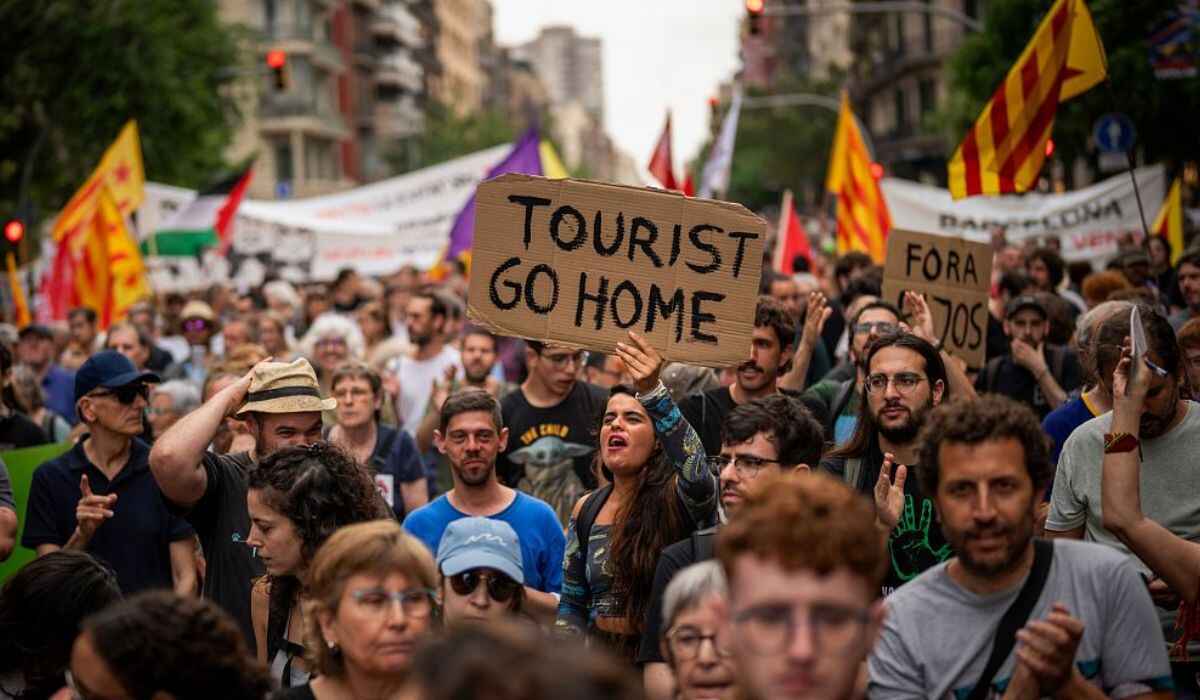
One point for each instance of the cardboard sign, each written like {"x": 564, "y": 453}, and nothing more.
{"x": 954, "y": 275}
{"x": 580, "y": 264}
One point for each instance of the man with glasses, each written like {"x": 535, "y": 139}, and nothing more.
{"x": 904, "y": 379}
{"x": 101, "y": 497}
{"x": 471, "y": 434}
{"x": 839, "y": 391}
{"x": 1089, "y": 630}
{"x": 1034, "y": 372}
{"x": 764, "y": 438}
{"x": 552, "y": 421}
{"x": 804, "y": 564}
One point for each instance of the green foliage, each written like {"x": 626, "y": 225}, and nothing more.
{"x": 780, "y": 148}
{"x": 1162, "y": 110}
{"x": 448, "y": 135}
{"x": 74, "y": 71}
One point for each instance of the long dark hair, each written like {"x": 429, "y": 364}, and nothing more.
{"x": 41, "y": 608}
{"x": 643, "y": 527}
{"x": 866, "y": 432}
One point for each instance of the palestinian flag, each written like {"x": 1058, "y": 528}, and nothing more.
{"x": 206, "y": 222}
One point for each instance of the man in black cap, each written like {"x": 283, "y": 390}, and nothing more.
{"x": 101, "y": 497}
{"x": 1033, "y": 372}
{"x": 35, "y": 349}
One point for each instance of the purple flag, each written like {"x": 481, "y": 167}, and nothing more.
{"x": 523, "y": 158}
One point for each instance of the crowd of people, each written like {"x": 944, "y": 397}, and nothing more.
{"x": 347, "y": 490}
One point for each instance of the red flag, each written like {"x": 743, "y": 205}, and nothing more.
{"x": 689, "y": 187}
{"x": 792, "y": 239}
{"x": 660, "y": 161}
{"x": 228, "y": 209}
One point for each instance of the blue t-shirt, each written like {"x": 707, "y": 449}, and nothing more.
{"x": 59, "y": 386}
{"x": 1062, "y": 421}
{"x": 536, "y": 525}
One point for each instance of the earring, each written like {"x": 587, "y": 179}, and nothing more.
{"x": 334, "y": 649}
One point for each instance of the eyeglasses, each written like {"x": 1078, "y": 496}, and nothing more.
{"x": 415, "y": 602}
{"x": 747, "y": 466}
{"x": 880, "y": 327}
{"x": 331, "y": 343}
{"x": 500, "y": 587}
{"x": 561, "y": 360}
{"x": 770, "y": 629}
{"x": 126, "y": 394}
{"x": 904, "y": 382}
{"x": 686, "y": 642}
{"x": 195, "y": 324}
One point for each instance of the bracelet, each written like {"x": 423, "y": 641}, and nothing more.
{"x": 1115, "y": 443}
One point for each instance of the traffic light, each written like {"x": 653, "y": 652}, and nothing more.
{"x": 14, "y": 232}
{"x": 277, "y": 62}
{"x": 754, "y": 13}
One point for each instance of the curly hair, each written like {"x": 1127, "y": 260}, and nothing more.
{"x": 769, "y": 313}
{"x": 41, "y": 607}
{"x": 988, "y": 418}
{"x": 162, "y": 642}
{"x": 332, "y": 325}
{"x": 806, "y": 521}
{"x": 797, "y": 436}
{"x": 643, "y": 526}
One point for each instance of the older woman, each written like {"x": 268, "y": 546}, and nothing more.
{"x": 297, "y": 498}
{"x": 30, "y": 398}
{"x": 660, "y": 491}
{"x": 332, "y": 341}
{"x": 372, "y": 600}
{"x": 692, "y": 643}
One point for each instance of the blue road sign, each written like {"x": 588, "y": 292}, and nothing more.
{"x": 283, "y": 189}
{"x": 1114, "y": 133}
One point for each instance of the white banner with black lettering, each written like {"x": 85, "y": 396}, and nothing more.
{"x": 1090, "y": 222}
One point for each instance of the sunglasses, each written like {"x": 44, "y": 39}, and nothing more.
{"x": 195, "y": 324}
{"x": 127, "y": 394}
{"x": 500, "y": 587}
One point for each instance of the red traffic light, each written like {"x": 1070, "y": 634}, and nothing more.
{"x": 276, "y": 58}
{"x": 755, "y": 7}
{"x": 14, "y": 231}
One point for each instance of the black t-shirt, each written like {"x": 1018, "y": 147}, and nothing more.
{"x": 674, "y": 558}
{"x": 1004, "y": 376}
{"x": 135, "y": 541}
{"x": 997, "y": 341}
{"x": 17, "y": 431}
{"x": 917, "y": 542}
{"x": 547, "y": 438}
{"x": 223, "y": 524}
{"x": 706, "y": 413}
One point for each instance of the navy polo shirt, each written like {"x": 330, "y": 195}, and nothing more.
{"x": 135, "y": 541}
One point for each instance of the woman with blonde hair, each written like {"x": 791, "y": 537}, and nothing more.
{"x": 371, "y": 601}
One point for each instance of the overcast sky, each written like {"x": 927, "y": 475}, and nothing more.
{"x": 658, "y": 54}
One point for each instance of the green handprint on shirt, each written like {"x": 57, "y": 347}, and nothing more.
{"x": 911, "y": 550}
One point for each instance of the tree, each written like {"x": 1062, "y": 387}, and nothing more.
{"x": 448, "y": 134}
{"x": 780, "y": 148}
{"x": 72, "y": 73}
{"x": 1162, "y": 110}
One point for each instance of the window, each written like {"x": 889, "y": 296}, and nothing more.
{"x": 898, "y": 24}
{"x": 270, "y": 15}
{"x": 927, "y": 26}
{"x": 901, "y": 113}
{"x": 283, "y": 161}
{"x": 319, "y": 160}
{"x": 971, "y": 8}
{"x": 927, "y": 93}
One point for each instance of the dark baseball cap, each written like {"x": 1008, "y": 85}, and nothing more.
{"x": 108, "y": 369}
{"x": 36, "y": 329}
{"x": 1026, "y": 301}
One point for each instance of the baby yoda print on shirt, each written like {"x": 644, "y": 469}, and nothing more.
{"x": 550, "y": 469}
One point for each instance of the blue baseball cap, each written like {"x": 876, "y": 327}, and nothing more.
{"x": 475, "y": 543}
{"x": 108, "y": 369}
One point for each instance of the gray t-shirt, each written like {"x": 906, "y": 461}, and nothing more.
{"x": 6, "y": 492}
{"x": 937, "y": 635}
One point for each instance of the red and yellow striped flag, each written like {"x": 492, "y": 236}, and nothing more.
{"x": 1005, "y": 149}
{"x": 120, "y": 171}
{"x": 1169, "y": 222}
{"x": 862, "y": 214}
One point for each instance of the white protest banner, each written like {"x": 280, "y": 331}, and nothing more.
{"x": 1089, "y": 221}
{"x": 954, "y": 275}
{"x": 581, "y": 263}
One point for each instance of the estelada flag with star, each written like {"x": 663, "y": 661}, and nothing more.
{"x": 1004, "y": 150}
{"x": 120, "y": 170}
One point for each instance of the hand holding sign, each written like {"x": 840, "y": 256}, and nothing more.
{"x": 92, "y": 510}
{"x": 643, "y": 362}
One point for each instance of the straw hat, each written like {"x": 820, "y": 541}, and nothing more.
{"x": 197, "y": 309}
{"x": 285, "y": 387}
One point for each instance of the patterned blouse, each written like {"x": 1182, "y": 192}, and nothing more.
{"x": 587, "y": 576}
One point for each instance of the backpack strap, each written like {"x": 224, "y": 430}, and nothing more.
{"x": 1015, "y": 617}
{"x": 853, "y": 472}
{"x": 592, "y": 504}
{"x": 1058, "y": 360}
{"x": 992, "y": 372}
{"x": 840, "y": 401}
{"x": 704, "y": 544}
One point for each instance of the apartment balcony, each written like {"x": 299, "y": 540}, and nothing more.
{"x": 289, "y": 111}
{"x": 394, "y": 23}
{"x": 303, "y": 40}
{"x": 399, "y": 71}
{"x": 398, "y": 119}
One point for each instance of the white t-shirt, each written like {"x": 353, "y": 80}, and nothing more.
{"x": 416, "y": 383}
